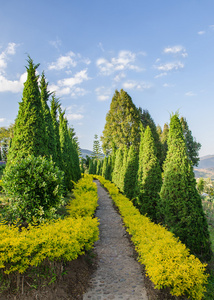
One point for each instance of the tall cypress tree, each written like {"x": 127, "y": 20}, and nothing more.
{"x": 117, "y": 168}
{"x": 131, "y": 172}
{"x": 29, "y": 130}
{"x": 123, "y": 169}
{"x": 151, "y": 180}
{"x": 51, "y": 143}
{"x": 74, "y": 154}
{"x": 122, "y": 123}
{"x": 180, "y": 204}
{"x": 54, "y": 115}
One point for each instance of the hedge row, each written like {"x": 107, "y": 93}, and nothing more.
{"x": 56, "y": 240}
{"x": 167, "y": 261}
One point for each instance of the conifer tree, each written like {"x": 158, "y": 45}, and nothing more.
{"x": 66, "y": 151}
{"x": 97, "y": 152}
{"x": 29, "y": 129}
{"x": 180, "y": 204}
{"x": 117, "y": 168}
{"x": 193, "y": 147}
{"x": 105, "y": 167}
{"x": 164, "y": 138}
{"x": 147, "y": 120}
{"x": 99, "y": 167}
{"x": 151, "y": 180}
{"x": 140, "y": 168}
{"x": 54, "y": 115}
{"x": 123, "y": 169}
{"x": 74, "y": 150}
{"x": 51, "y": 143}
{"x": 122, "y": 123}
{"x": 131, "y": 173}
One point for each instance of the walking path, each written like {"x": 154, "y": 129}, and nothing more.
{"x": 118, "y": 275}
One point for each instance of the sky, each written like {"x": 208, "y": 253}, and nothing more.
{"x": 160, "y": 52}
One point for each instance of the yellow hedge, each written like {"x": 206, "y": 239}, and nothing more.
{"x": 57, "y": 240}
{"x": 167, "y": 261}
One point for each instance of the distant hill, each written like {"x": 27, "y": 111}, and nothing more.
{"x": 205, "y": 168}
{"x": 85, "y": 152}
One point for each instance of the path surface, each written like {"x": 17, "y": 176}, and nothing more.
{"x": 118, "y": 275}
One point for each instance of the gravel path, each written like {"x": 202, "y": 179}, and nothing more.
{"x": 118, "y": 275}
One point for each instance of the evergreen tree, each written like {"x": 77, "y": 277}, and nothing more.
{"x": 97, "y": 152}
{"x": 164, "y": 138}
{"x": 180, "y": 204}
{"x": 91, "y": 167}
{"x": 74, "y": 147}
{"x": 117, "y": 168}
{"x": 131, "y": 173}
{"x": 99, "y": 168}
{"x": 140, "y": 168}
{"x": 151, "y": 179}
{"x": 122, "y": 123}
{"x": 123, "y": 169}
{"x": 147, "y": 120}
{"x": 54, "y": 115}
{"x": 29, "y": 130}
{"x": 105, "y": 167}
{"x": 192, "y": 146}
{"x": 51, "y": 143}
{"x": 66, "y": 152}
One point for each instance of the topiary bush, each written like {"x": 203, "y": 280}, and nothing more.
{"x": 33, "y": 186}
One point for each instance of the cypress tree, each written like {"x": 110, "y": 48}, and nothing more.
{"x": 51, "y": 143}
{"x": 54, "y": 115}
{"x": 29, "y": 130}
{"x": 164, "y": 138}
{"x": 105, "y": 167}
{"x": 151, "y": 179}
{"x": 131, "y": 173}
{"x": 123, "y": 169}
{"x": 180, "y": 204}
{"x": 122, "y": 123}
{"x": 74, "y": 147}
{"x": 117, "y": 168}
{"x": 140, "y": 169}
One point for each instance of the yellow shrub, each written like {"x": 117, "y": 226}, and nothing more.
{"x": 167, "y": 261}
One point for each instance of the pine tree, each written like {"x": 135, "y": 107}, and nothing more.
{"x": 131, "y": 173}
{"x": 151, "y": 180}
{"x": 97, "y": 152}
{"x": 122, "y": 123}
{"x": 51, "y": 143}
{"x": 117, "y": 168}
{"x": 74, "y": 150}
{"x": 193, "y": 147}
{"x": 140, "y": 169}
{"x": 164, "y": 138}
{"x": 180, "y": 204}
{"x": 29, "y": 130}
{"x": 54, "y": 115}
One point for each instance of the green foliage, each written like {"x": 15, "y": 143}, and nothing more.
{"x": 50, "y": 135}
{"x": 117, "y": 168}
{"x": 131, "y": 173}
{"x": 192, "y": 146}
{"x": 34, "y": 188}
{"x": 123, "y": 169}
{"x": 200, "y": 185}
{"x": 147, "y": 120}
{"x": 29, "y": 130}
{"x": 180, "y": 204}
{"x": 151, "y": 180}
{"x": 163, "y": 139}
{"x": 122, "y": 123}
{"x": 97, "y": 152}
{"x": 54, "y": 115}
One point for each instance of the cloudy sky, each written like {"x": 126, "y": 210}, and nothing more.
{"x": 160, "y": 52}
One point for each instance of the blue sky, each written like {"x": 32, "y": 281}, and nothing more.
{"x": 160, "y": 52}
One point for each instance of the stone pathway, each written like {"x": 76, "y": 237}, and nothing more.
{"x": 118, "y": 275}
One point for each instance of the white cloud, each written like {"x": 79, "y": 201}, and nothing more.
{"x": 15, "y": 86}
{"x": 68, "y": 61}
{"x": 190, "y": 94}
{"x": 56, "y": 44}
{"x": 131, "y": 84}
{"x": 103, "y": 93}
{"x": 176, "y": 50}
{"x": 170, "y": 66}
{"x": 124, "y": 61}
{"x": 161, "y": 75}
{"x": 4, "y": 55}
{"x": 166, "y": 85}
{"x": 68, "y": 85}
{"x": 119, "y": 77}
{"x": 2, "y": 120}
{"x": 201, "y": 32}
{"x": 74, "y": 117}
